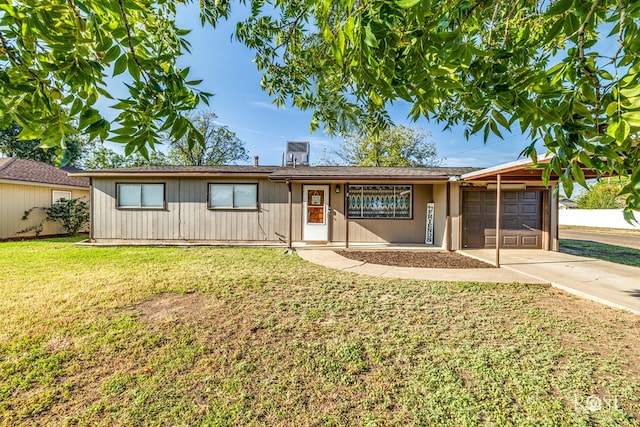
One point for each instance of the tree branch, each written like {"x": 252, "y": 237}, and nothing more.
{"x": 592, "y": 78}
{"x": 130, "y": 42}
{"x": 15, "y": 58}
{"x": 623, "y": 17}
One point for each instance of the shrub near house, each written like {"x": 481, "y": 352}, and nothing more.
{"x": 72, "y": 214}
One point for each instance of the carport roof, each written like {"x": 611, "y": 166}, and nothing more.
{"x": 524, "y": 170}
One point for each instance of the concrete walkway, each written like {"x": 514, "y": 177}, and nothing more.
{"x": 611, "y": 284}
{"x": 331, "y": 259}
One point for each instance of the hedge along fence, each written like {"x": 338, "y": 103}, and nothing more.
{"x": 603, "y": 218}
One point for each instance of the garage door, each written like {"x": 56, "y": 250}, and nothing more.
{"x": 521, "y": 219}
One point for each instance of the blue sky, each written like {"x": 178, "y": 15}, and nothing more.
{"x": 227, "y": 69}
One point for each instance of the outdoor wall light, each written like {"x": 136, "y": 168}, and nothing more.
{"x": 337, "y": 188}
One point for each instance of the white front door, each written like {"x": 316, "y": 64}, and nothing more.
{"x": 315, "y": 201}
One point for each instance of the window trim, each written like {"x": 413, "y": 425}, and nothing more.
{"x": 53, "y": 192}
{"x": 227, "y": 208}
{"x": 410, "y": 217}
{"x": 141, "y": 208}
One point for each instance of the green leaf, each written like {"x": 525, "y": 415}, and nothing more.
{"x": 560, "y": 7}
{"x": 501, "y": 119}
{"x": 578, "y": 175}
{"x": 632, "y": 118}
{"x": 112, "y": 54}
{"x": 369, "y": 38}
{"x": 120, "y": 66}
{"x": 612, "y": 108}
{"x": 567, "y": 185}
{"x": 132, "y": 66}
{"x": 406, "y": 4}
{"x": 630, "y": 92}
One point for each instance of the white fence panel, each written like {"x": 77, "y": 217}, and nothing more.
{"x": 607, "y": 218}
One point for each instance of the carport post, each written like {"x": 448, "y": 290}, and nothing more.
{"x": 346, "y": 215}
{"x": 498, "y": 191}
{"x": 290, "y": 203}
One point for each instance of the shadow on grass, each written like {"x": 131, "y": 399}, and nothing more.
{"x": 602, "y": 251}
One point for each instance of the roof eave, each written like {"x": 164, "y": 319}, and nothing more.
{"x": 42, "y": 184}
{"x": 354, "y": 178}
{"x": 503, "y": 169}
{"x": 97, "y": 174}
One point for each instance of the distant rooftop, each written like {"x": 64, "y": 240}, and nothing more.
{"x": 14, "y": 169}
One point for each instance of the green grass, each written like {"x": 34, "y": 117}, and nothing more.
{"x": 202, "y": 336}
{"x": 602, "y": 251}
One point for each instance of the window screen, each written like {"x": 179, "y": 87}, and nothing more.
{"x": 59, "y": 195}
{"x": 141, "y": 195}
{"x": 233, "y": 196}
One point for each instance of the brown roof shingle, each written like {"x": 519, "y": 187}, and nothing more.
{"x": 14, "y": 169}
{"x": 181, "y": 171}
{"x": 278, "y": 173}
{"x": 368, "y": 173}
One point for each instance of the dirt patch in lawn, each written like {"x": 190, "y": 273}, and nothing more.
{"x": 423, "y": 259}
{"x": 170, "y": 307}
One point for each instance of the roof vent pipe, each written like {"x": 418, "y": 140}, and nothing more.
{"x": 255, "y": 161}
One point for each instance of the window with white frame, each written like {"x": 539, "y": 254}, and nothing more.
{"x": 380, "y": 201}
{"x": 141, "y": 196}
{"x": 57, "y": 195}
{"x": 233, "y": 196}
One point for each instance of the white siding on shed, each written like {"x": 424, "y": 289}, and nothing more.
{"x": 17, "y": 198}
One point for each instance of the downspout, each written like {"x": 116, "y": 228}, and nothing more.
{"x": 498, "y": 193}
{"x": 91, "y": 217}
{"x": 290, "y": 203}
{"x": 555, "y": 246}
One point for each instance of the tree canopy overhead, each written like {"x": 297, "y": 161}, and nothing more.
{"x": 564, "y": 72}
{"x": 396, "y": 146}
{"x": 55, "y": 56}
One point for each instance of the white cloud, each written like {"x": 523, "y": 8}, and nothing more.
{"x": 265, "y": 105}
{"x": 253, "y": 131}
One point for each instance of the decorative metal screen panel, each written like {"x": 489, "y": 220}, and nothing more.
{"x": 380, "y": 201}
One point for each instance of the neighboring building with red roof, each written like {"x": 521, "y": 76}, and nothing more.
{"x": 25, "y": 184}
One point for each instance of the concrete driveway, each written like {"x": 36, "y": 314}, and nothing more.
{"x": 612, "y": 284}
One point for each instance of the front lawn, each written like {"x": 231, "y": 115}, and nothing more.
{"x": 202, "y": 336}
{"x": 602, "y": 251}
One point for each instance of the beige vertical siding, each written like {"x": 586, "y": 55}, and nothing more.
{"x": 17, "y": 198}
{"x": 337, "y": 218}
{"x": 382, "y": 230}
{"x": 296, "y": 190}
{"x": 456, "y": 223}
{"x": 440, "y": 217}
{"x": 187, "y": 216}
